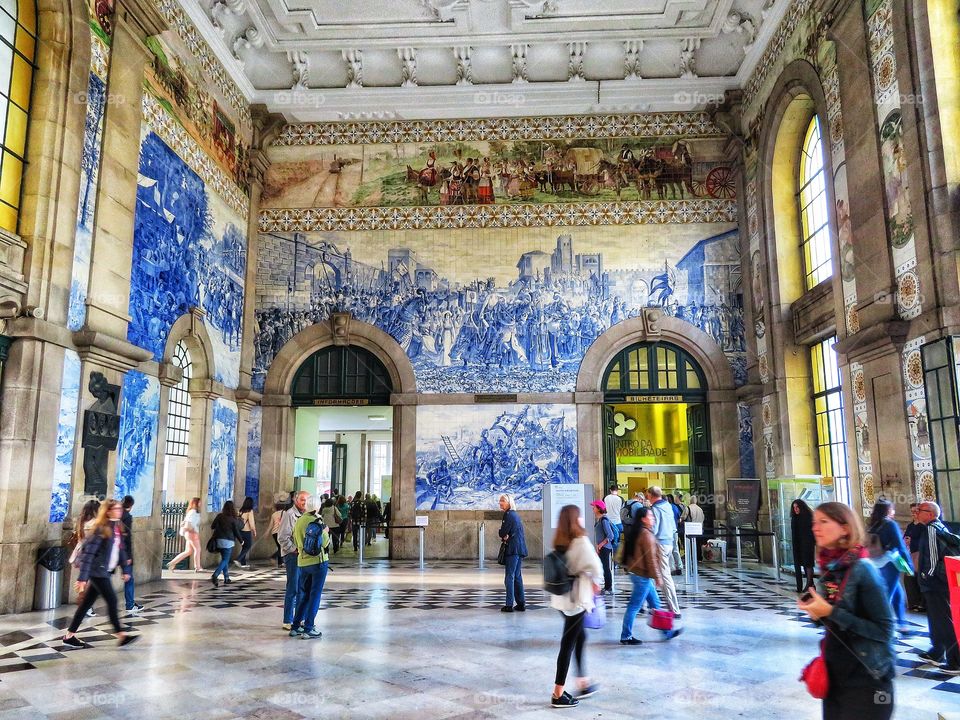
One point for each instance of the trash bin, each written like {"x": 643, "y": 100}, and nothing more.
{"x": 48, "y": 590}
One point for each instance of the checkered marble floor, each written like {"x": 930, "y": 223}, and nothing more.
{"x": 400, "y": 642}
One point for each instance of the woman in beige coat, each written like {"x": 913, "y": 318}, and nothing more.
{"x": 584, "y": 565}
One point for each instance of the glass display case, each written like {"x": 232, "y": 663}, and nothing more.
{"x": 781, "y": 492}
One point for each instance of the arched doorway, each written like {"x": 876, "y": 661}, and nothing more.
{"x": 350, "y": 369}
{"x": 344, "y": 436}
{"x": 655, "y": 424}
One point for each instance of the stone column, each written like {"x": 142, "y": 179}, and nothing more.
{"x": 403, "y": 543}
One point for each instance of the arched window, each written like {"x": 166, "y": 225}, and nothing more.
{"x": 652, "y": 368}
{"x": 18, "y": 39}
{"x": 815, "y": 232}
{"x": 178, "y": 409}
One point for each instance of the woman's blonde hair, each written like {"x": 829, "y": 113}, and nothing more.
{"x": 511, "y": 503}
{"x": 101, "y": 523}
{"x": 844, "y": 515}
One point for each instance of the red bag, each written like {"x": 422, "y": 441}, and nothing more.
{"x": 815, "y": 673}
{"x": 661, "y": 620}
{"x": 815, "y": 676}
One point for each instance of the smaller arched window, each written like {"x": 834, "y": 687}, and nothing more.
{"x": 178, "y": 408}
{"x": 815, "y": 230}
{"x": 18, "y": 40}
{"x": 654, "y": 368}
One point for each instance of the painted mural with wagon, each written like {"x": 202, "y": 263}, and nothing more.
{"x": 491, "y": 172}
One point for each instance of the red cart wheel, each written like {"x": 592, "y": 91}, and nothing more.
{"x": 720, "y": 183}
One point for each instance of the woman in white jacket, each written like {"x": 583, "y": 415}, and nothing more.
{"x": 584, "y": 565}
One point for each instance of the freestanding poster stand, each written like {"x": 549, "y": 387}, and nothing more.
{"x": 555, "y": 496}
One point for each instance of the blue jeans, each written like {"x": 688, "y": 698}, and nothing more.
{"x": 513, "y": 580}
{"x": 226, "y": 550}
{"x": 891, "y": 578}
{"x": 128, "y": 587}
{"x": 309, "y": 590}
{"x": 643, "y": 590}
{"x": 247, "y": 536}
{"x": 293, "y": 581}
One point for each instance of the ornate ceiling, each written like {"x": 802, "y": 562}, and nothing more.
{"x": 423, "y": 59}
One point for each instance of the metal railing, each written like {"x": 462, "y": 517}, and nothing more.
{"x": 481, "y": 545}
{"x": 172, "y": 515}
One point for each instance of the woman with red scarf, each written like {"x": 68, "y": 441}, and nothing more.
{"x": 851, "y": 603}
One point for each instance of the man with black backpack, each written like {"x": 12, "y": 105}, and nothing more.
{"x": 935, "y": 544}
{"x": 312, "y": 539}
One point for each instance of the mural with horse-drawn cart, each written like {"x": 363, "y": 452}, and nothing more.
{"x": 490, "y": 172}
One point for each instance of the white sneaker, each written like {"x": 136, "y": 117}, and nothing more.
{"x": 246, "y": 567}
{"x": 135, "y": 610}
{"x": 91, "y": 613}
{"x": 237, "y": 563}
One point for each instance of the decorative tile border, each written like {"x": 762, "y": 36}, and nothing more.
{"x": 647, "y": 125}
{"x": 172, "y": 133}
{"x": 798, "y": 8}
{"x": 183, "y": 26}
{"x": 99, "y": 56}
{"x": 642, "y": 212}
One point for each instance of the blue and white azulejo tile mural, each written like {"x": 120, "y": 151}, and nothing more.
{"x": 254, "y": 440}
{"x": 223, "y": 454}
{"x": 508, "y": 310}
{"x": 89, "y": 174}
{"x": 188, "y": 251}
{"x": 137, "y": 450}
{"x": 467, "y": 455}
{"x": 66, "y": 437}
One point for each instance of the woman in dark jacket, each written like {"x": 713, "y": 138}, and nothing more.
{"x": 801, "y": 534}
{"x": 103, "y": 552}
{"x": 894, "y": 558}
{"x": 511, "y": 533}
{"x": 851, "y": 602}
{"x": 226, "y": 532}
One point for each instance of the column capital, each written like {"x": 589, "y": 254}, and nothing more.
{"x": 206, "y": 389}
{"x": 875, "y": 341}
{"x": 246, "y": 398}
{"x": 169, "y": 375}
{"x": 109, "y": 351}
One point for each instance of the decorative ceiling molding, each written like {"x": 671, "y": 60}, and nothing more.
{"x": 788, "y": 25}
{"x": 362, "y": 61}
{"x": 649, "y": 125}
{"x": 637, "y": 212}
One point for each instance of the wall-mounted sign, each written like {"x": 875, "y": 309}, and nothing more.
{"x": 495, "y": 398}
{"x": 653, "y": 398}
{"x": 422, "y": 520}
{"x": 692, "y": 529}
{"x": 340, "y": 402}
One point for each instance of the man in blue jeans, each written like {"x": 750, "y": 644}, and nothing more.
{"x": 128, "y": 585}
{"x": 288, "y": 550}
{"x": 641, "y": 558}
{"x": 313, "y": 574}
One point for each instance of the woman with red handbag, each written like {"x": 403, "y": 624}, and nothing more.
{"x": 854, "y": 673}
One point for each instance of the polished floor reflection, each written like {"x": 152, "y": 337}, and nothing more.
{"x": 403, "y": 643}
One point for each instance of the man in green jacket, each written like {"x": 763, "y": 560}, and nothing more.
{"x": 313, "y": 573}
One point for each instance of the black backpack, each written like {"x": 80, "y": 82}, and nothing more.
{"x": 628, "y": 512}
{"x": 557, "y": 580}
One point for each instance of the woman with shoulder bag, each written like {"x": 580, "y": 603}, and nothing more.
{"x": 851, "y": 602}
{"x": 514, "y": 551}
{"x": 226, "y": 534}
{"x": 892, "y": 558}
{"x": 248, "y": 531}
{"x": 641, "y": 558}
{"x": 102, "y": 552}
{"x": 190, "y": 531}
{"x": 331, "y": 518}
{"x": 583, "y": 564}
{"x": 88, "y": 514}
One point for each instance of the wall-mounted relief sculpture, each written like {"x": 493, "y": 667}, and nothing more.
{"x": 101, "y": 432}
